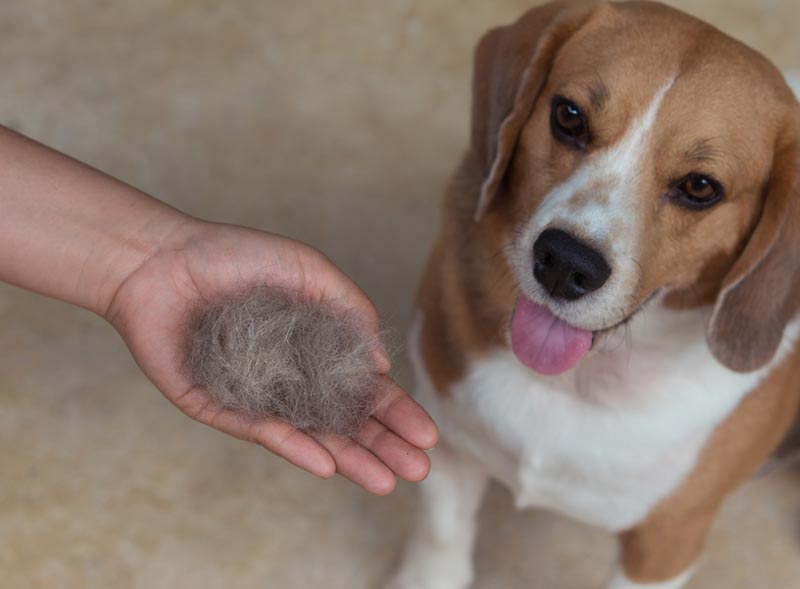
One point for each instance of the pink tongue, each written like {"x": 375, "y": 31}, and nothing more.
{"x": 544, "y": 342}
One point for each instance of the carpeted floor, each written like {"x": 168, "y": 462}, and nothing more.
{"x": 333, "y": 121}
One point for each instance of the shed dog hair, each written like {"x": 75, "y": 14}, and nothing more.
{"x": 265, "y": 353}
{"x": 633, "y": 176}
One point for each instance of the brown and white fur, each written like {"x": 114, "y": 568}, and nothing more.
{"x": 693, "y": 378}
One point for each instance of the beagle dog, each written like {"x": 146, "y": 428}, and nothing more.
{"x": 608, "y": 320}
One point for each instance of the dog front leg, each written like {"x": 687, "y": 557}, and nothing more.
{"x": 439, "y": 553}
{"x": 661, "y": 552}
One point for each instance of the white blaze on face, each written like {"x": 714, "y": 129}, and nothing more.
{"x": 597, "y": 204}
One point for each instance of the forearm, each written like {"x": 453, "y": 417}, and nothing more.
{"x": 69, "y": 231}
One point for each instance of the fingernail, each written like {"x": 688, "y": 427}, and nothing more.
{"x": 382, "y": 361}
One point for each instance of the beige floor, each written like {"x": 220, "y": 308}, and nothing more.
{"x": 334, "y": 121}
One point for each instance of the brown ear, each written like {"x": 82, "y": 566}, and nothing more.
{"x": 511, "y": 67}
{"x": 761, "y": 293}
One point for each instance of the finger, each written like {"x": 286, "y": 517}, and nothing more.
{"x": 380, "y": 357}
{"x": 296, "y": 447}
{"x": 407, "y": 461}
{"x": 276, "y": 436}
{"x": 405, "y": 417}
{"x": 369, "y": 318}
{"x": 359, "y": 465}
{"x": 347, "y": 295}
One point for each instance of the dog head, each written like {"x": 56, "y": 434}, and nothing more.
{"x": 629, "y": 150}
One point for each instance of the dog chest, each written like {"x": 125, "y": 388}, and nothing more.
{"x": 605, "y": 442}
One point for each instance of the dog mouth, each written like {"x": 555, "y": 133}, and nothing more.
{"x": 604, "y": 334}
{"x": 550, "y": 345}
{"x": 544, "y": 342}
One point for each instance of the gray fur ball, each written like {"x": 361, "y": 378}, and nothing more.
{"x": 265, "y": 353}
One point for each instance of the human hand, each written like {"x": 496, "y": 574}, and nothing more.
{"x": 203, "y": 261}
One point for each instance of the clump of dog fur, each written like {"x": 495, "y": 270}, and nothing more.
{"x": 266, "y": 353}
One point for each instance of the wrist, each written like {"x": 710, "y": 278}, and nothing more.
{"x": 163, "y": 229}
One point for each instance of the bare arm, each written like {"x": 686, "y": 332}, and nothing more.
{"x": 69, "y": 231}
{"x": 76, "y": 234}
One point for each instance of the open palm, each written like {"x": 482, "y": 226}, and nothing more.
{"x": 204, "y": 261}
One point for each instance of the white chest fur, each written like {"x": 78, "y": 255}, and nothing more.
{"x": 606, "y": 441}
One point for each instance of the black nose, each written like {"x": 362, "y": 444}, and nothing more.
{"x": 567, "y": 268}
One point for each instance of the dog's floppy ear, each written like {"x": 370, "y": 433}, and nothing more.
{"x": 761, "y": 293}
{"x": 511, "y": 67}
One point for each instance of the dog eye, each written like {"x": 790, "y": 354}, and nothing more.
{"x": 697, "y": 191}
{"x": 569, "y": 123}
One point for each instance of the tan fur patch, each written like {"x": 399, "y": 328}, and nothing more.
{"x": 671, "y": 539}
